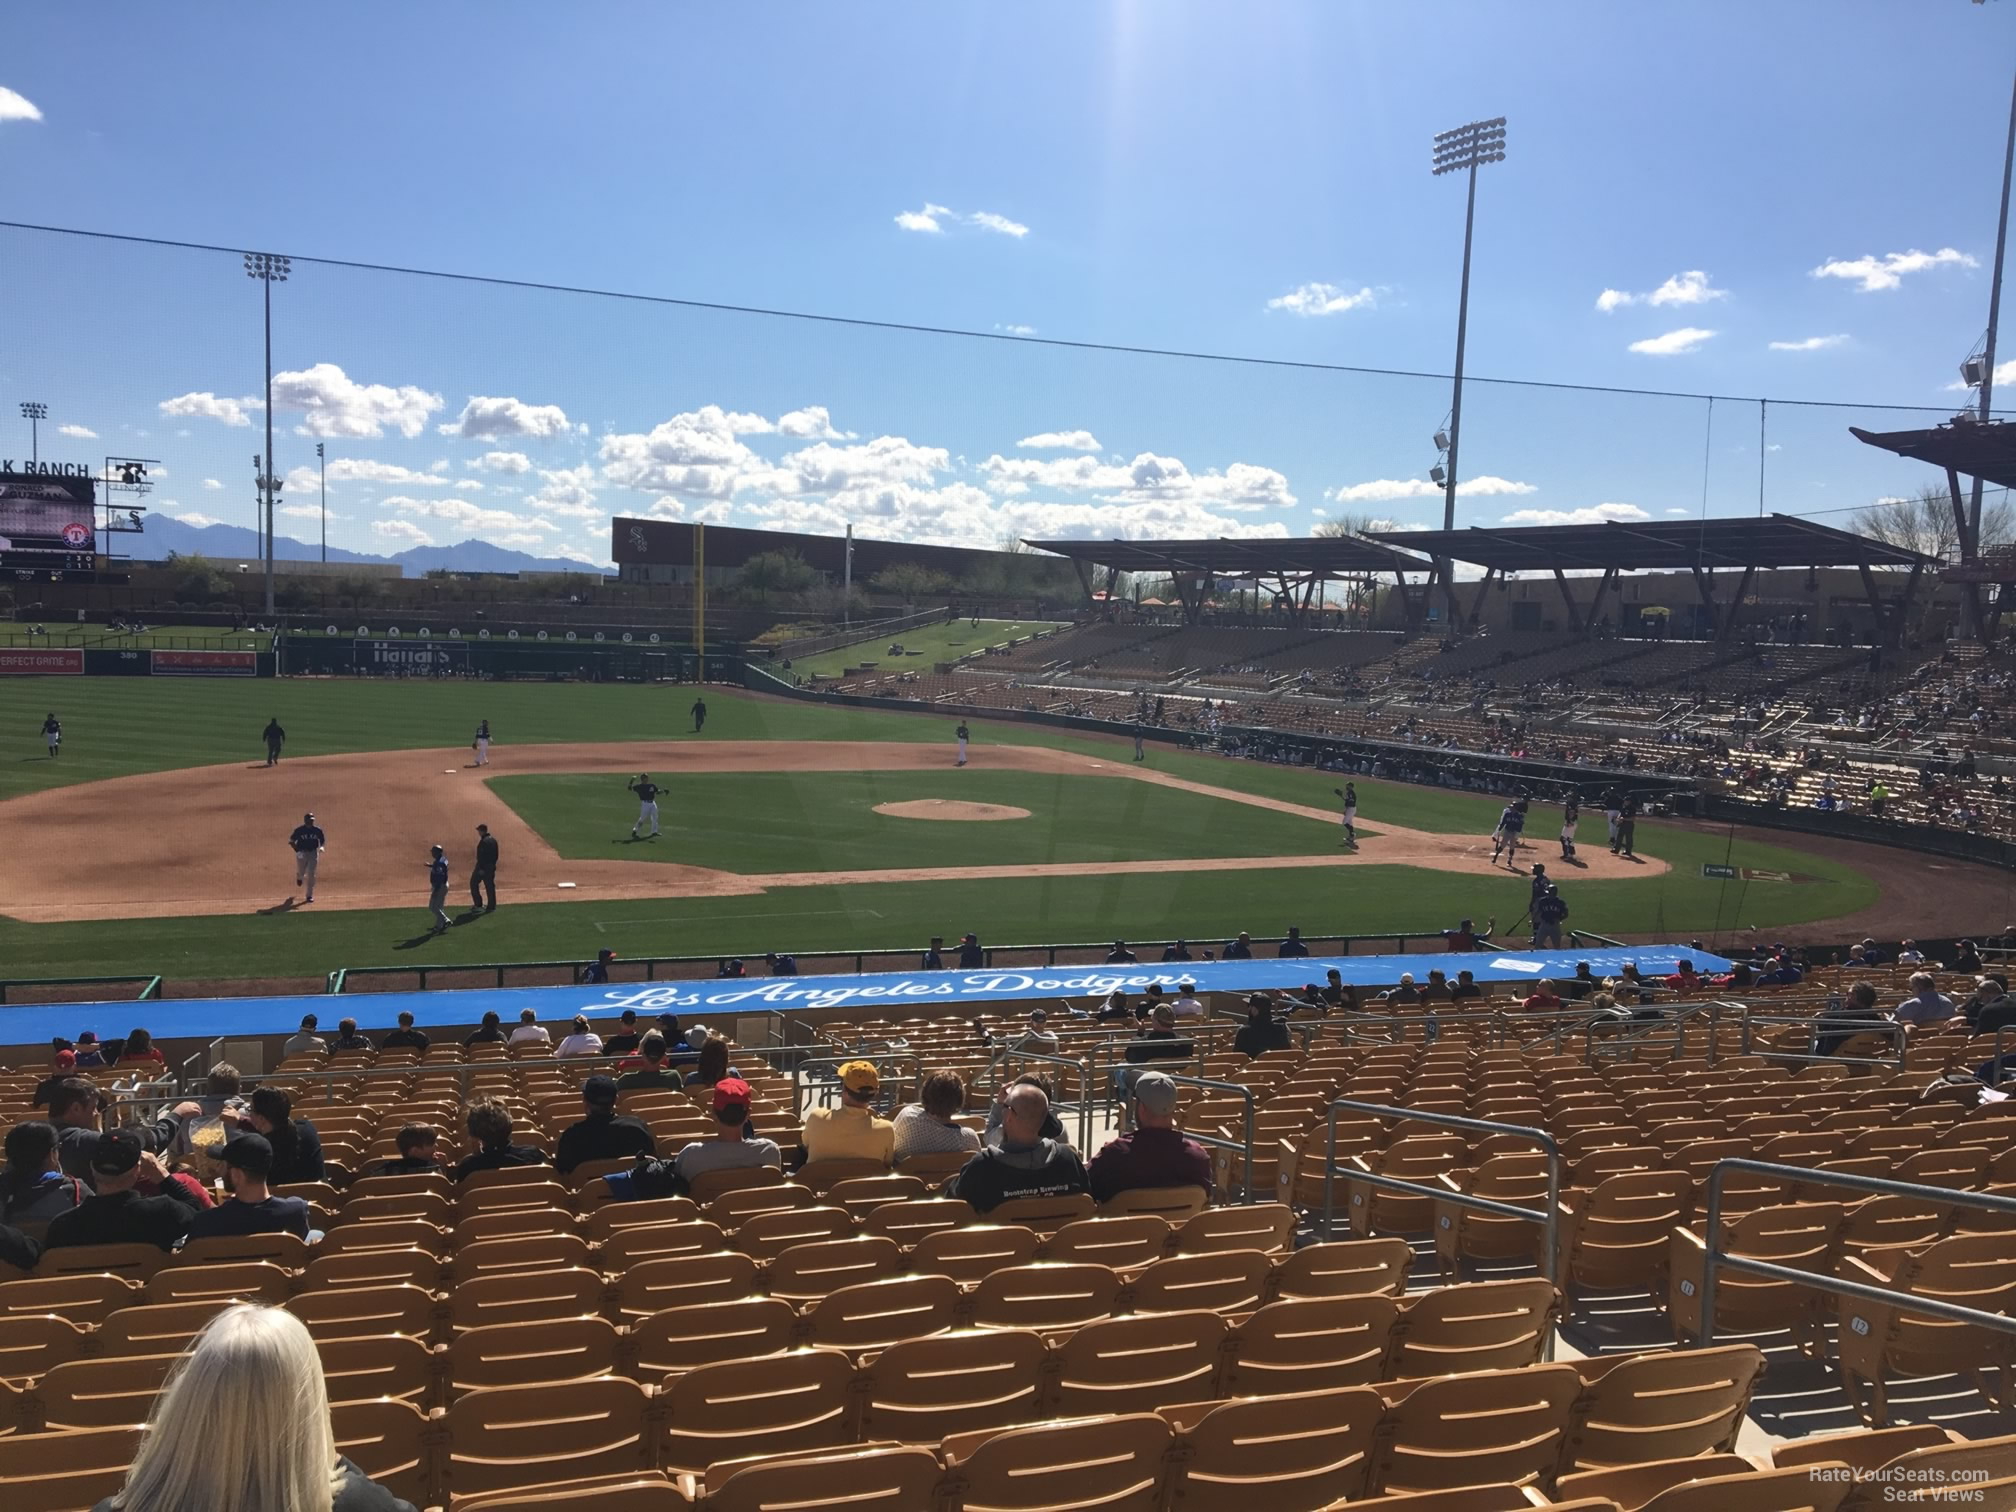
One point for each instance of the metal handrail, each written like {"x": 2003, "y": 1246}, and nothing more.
{"x": 1217, "y": 1142}
{"x": 1717, "y": 1259}
{"x": 1547, "y": 1220}
{"x": 898, "y": 1058}
{"x": 1649, "y": 1028}
{"x": 1852, "y": 1028}
{"x": 1086, "y": 1092}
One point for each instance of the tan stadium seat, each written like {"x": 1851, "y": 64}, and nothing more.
{"x": 925, "y": 1390}
{"x": 1311, "y": 1344}
{"x": 734, "y": 1208}
{"x": 934, "y": 1169}
{"x": 512, "y": 1223}
{"x": 525, "y": 1297}
{"x": 157, "y": 1328}
{"x": 379, "y": 1365}
{"x": 403, "y": 1237}
{"x": 387, "y": 1441}
{"x": 822, "y": 1175}
{"x": 1226, "y": 1281}
{"x": 1125, "y": 1243}
{"x": 1504, "y": 1497}
{"x": 85, "y": 1298}
{"x": 136, "y": 1262}
{"x": 649, "y": 1212}
{"x": 1631, "y": 1486}
{"x": 1345, "y": 1268}
{"x": 398, "y": 1183}
{"x": 517, "y": 1255}
{"x": 1891, "y": 1221}
{"x": 432, "y": 1206}
{"x": 876, "y": 1314}
{"x": 355, "y": 1312}
{"x": 1309, "y": 1449}
{"x": 67, "y": 1470}
{"x": 109, "y": 1392}
{"x": 501, "y": 1176}
{"x": 1864, "y": 1450}
{"x": 1140, "y": 1361}
{"x": 246, "y": 1280}
{"x": 639, "y": 1491}
{"x": 1801, "y": 1235}
{"x": 1047, "y": 1296}
{"x": 805, "y": 1272}
{"x": 1469, "y": 1234}
{"x": 653, "y": 1285}
{"x": 709, "y": 1185}
{"x": 1414, "y": 1157}
{"x": 1265, "y": 1226}
{"x": 287, "y": 1251}
{"x": 909, "y": 1221}
{"x": 1879, "y": 1340}
{"x": 1614, "y": 1237}
{"x": 1981, "y": 1474}
{"x": 765, "y": 1236}
{"x": 783, "y": 1404}
{"x": 1046, "y": 1215}
{"x": 374, "y": 1268}
{"x": 591, "y": 1171}
{"x": 684, "y": 1338}
{"x": 1668, "y": 1404}
{"x": 885, "y": 1479}
{"x": 32, "y": 1343}
{"x": 1098, "y": 1464}
{"x": 512, "y": 1436}
{"x": 1756, "y": 1491}
{"x": 862, "y": 1195}
{"x": 523, "y": 1354}
{"x": 1471, "y": 1430}
{"x": 970, "y": 1254}
{"x": 1172, "y": 1204}
{"x": 515, "y": 1194}
{"x": 631, "y": 1246}
{"x": 1480, "y": 1325}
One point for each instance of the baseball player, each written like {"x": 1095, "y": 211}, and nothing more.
{"x": 647, "y": 804}
{"x": 964, "y": 735}
{"x": 437, "y": 889}
{"x": 1627, "y": 827}
{"x": 481, "y": 744}
{"x": 1507, "y": 833}
{"x": 306, "y": 842}
{"x": 1140, "y": 736}
{"x": 1547, "y": 916}
{"x": 699, "y": 714}
{"x": 483, "y": 877}
{"x": 275, "y": 737}
{"x": 52, "y": 735}
{"x": 1571, "y": 815}
{"x": 1349, "y": 793}
{"x": 1613, "y": 807}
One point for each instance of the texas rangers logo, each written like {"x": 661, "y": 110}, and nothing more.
{"x": 76, "y": 536}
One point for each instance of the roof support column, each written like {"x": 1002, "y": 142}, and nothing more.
{"x": 1477, "y": 604}
{"x": 1884, "y": 633}
{"x": 1567, "y": 598}
{"x": 1410, "y": 617}
{"x": 1603, "y": 585}
{"x": 1970, "y": 593}
{"x": 1897, "y": 631}
{"x": 1735, "y": 613}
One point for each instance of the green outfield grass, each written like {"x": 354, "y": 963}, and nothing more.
{"x": 114, "y": 726}
{"x": 101, "y": 637}
{"x": 826, "y": 821}
{"x": 922, "y": 647}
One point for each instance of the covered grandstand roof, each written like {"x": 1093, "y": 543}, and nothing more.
{"x": 1977, "y": 448}
{"x": 1770, "y": 541}
{"x": 1323, "y": 556}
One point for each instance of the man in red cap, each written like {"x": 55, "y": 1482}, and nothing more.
{"x": 728, "y": 1149}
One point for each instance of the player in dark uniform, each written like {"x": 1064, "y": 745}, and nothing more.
{"x": 647, "y": 803}
{"x": 964, "y": 735}
{"x": 483, "y": 876}
{"x": 1571, "y": 815}
{"x": 306, "y": 842}
{"x": 699, "y": 714}
{"x": 1627, "y": 827}
{"x": 1349, "y": 793}
{"x": 275, "y": 737}
{"x": 52, "y": 735}
{"x": 1140, "y": 736}
{"x": 1547, "y": 916}
{"x": 437, "y": 889}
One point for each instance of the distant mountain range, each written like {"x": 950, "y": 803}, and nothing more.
{"x": 165, "y": 534}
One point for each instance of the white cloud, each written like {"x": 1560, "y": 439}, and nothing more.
{"x": 77, "y": 432}
{"x": 463, "y": 514}
{"x": 1676, "y": 510}
{"x": 337, "y": 405}
{"x": 1594, "y": 514}
{"x": 932, "y": 219}
{"x": 501, "y": 462}
{"x": 208, "y": 406}
{"x": 188, "y": 517}
{"x": 212, "y": 484}
{"x": 1887, "y": 272}
{"x": 1689, "y": 288}
{"x": 1673, "y": 343}
{"x": 495, "y": 419}
{"x": 1810, "y": 344}
{"x": 1016, "y": 330}
{"x": 307, "y": 512}
{"x": 695, "y": 454}
{"x": 811, "y": 423}
{"x": 2005, "y": 373}
{"x": 1075, "y": 440}
{"x": 405, "y": 532}
{"x": 569, "y": 491}
{"x": 1149, "y": 479}
{"x": 1381, "y": 490}
{"x": 466, "y": 485}
{"x": 364, "y": 470}
{"x": 1322, "y": 299}
{"x": 17, "y": 107}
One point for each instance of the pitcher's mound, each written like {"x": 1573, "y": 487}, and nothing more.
{"x": 949, "y": 808}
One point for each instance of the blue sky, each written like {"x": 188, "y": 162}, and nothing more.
{"x": 1229, "y": 178}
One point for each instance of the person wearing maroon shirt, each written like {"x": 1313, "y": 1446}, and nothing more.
{"x": 1154, "y": 1152}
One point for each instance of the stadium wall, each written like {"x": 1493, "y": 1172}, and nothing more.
{"x": 568, "y": 656}
{"x": 78, "y": 661}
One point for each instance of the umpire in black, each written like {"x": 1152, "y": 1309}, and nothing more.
{"x": 483, "y": 877}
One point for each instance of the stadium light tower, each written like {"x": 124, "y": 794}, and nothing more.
{"x": 1462, "y": 150}
{"x": 34, "y": 413}
{"x": 322, "y": 461}
{"x": 269, "y": 270}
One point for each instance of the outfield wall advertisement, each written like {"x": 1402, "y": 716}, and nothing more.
{"x": 52, "y": 662}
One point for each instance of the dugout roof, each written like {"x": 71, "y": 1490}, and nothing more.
{"x": 1979, "y": 449}
{"x": 1256, "y": 557}
{"x": 1770, "y": 541}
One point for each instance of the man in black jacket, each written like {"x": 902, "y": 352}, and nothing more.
{"x": 601, "y": 1135}
{"x": 118, "y": 1214}
{"x": 74, "y": 1109}
{"x": 1025, "y": 1164}
{"x": 483, "y": 878}
{"x": 405, "y": 1037}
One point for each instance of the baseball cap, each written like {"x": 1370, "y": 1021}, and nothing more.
{"x": 730, "y": 1092}
{"x": 65, "y": 1059}
{"x": 860, "y": 1076}
{"x": 1154, "y": 1092}
{"x": 307, "y": 818}
{"x": 116, "y": 1153}
{"x": 1165, "y": 1016}
{"x": 605, "y": 954}
{"x": 247, "y": 1152}
{"x": 599, "y": 1090}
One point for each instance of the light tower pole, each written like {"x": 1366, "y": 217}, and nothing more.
{"x": 269, "y": 270}
{"x": 322, "y": 462}
{"x": 1462, "y": 150}
{"x": 34, "y": 413}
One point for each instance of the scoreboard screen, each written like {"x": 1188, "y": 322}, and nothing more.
{"x": 47, "y": 520}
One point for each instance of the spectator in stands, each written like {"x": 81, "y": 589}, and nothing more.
{"x": 222, "y": 1087}
{"x": 1037, "y": 1039}
{"x": 1240, "y": 949}
{"x": 582, "y": 1040}
{"x": 1153, "y": 1153}
{"x": 653, "y": 1072}
{"x": 89, "y": 1055}
{"x": 1260, "y": 1033}
{"x": 1927, "y": 1005}
{"x": 781, "y": 965}
{"x": 405, "y": 1037}
{"x": 1908, "y": 954}
{"x": 1464, "y": 936}
{"x": 33, "y": 1188}
{"x": 1116, "y": 1008}
{"x": 64, "y": 1066}
{"x": 305, "y": 1041}
{"x": 1582, "y": 985}
{"x": 1784, "y": 972}
{"x": 489, "y": 1123}
{"x": 242, "y": 1425}
{"x": 1119, "y": 955}
{"x": 1436, "y": 988}
{"x": 930, "y": 1125}
{"x": 347, "y": 1038}
{"x": 1335, "y": 991}
{"x": 626, "y": 1039}
{"x": 850, "y": 1130}
{"x": 1965, "y": 958}
{"x": 1026, "y": 1163}
{"x": 1990, "y": 1007}
{"x": 1157, "y": 1039}
{"x": 1187, "y": 1005}
{"x": 603, "y": 1133}
{"x": 1404, "y": 992}
{"x": 74, "y": 1109}
{"x": 732, "y": 1147}
{"x": 140, "y": 1051}
{"x": 933, "y": 958}
{"x": 596, "y": 972}
{"x": 117, "y": 1213}
{"x": 1465, "y": 988}
{"x": 1840, "y": 1022}
{"x": 295, "y": 1146}
{"x": 1543, "y": 998}
{"x": 1180, "y": 951}
{"x": 971, "y": 956}
{"x": 1292, "y": 947}
{"x": 489, "y": 1032}
{"x": 1684, "y": 978}
{"x": 419, "y": 1150}
{"x": 1053, "y": 1126}
{"x": 711, "y": 1067}
{"x": 1872, "y": 953}
{"x": 730, "y": 967}
{"x": 530, "y": 1031}
{"x": 253, "y": 1209}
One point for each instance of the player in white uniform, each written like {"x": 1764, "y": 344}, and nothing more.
{"x": 481, "y": 744}
{"x": 647, "y": 804}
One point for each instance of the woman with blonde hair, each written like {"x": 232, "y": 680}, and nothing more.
{"x": 242, "y": 1425}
